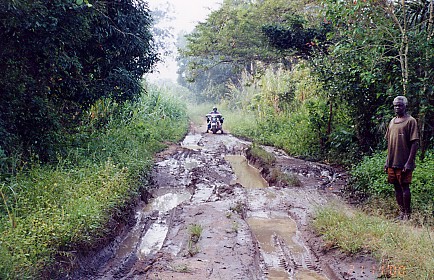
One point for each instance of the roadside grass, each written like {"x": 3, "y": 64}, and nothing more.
{"x": 260, "y": 154}
{"x": 240, "y": 123}
{"x": 50, "y": 213}
{"x": 397, "y": 245}
{"x": 196, "y": 112}
{"x": 291, "y": 133}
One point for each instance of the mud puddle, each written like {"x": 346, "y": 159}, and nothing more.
{"x": 246, "y": 175}
{"x": 284, "y": 255}
{"x": 244, "y": 227}
{"x": 190, "y": 142}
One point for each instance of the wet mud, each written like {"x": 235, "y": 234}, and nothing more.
{"x": 210, "y": 214}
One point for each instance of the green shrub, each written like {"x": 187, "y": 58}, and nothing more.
{"x": 368, "y": 176}
{"x": 47, "y": 210}
{"x": 260, "y": 154}
{"x": 291, "y": 133}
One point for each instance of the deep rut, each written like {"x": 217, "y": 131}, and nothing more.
{"x": 247, "y": 229}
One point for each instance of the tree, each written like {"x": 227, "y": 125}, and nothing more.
{"x": 58, "y": 57}
{"x": 236, "y": 36}
{"x": 376, "y": 56}
{"x": 295, "y": 37}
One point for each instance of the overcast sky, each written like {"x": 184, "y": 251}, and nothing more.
{"x": 184, "y": 16}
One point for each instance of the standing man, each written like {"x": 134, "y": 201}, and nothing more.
{"x": 402, "y": 143}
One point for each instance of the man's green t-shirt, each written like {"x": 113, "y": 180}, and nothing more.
{"x": 399, "y": 137}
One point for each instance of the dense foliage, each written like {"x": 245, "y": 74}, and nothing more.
{"x": 240, "y": 36}
{"x": 330, "y": 100}
{"x": 57, "y": 58}
{"x": 381, "y": 49}
{"x": 49, "y": 214}
{"x": 292, "y": 35}
{"x": 367, "y": 179}
{"x": 360, "y": 55}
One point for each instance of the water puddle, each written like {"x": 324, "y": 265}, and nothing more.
{"x": 153, "y": 239}
{"x": 282, "y": 254}
{"x": 265, "y": 229}
{"x": 274, "y": 274}
{"x": 129, "y": 244}
{"x": 190, "y": 142}
{"x": 309, "y": 275}
{"x": 247, "y": 175}
{"x": 166, "y": 202}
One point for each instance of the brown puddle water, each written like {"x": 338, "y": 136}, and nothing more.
{"x": 247, "y": 175}
{"x": 309, "y": 275}
{"x": 265, "y": 229}
{"x": 270, "y": 233}
{"x": 284, "y": 257}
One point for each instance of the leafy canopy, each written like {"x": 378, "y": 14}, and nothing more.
{"x": 58, "y": 57}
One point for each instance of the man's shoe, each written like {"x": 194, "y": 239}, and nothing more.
{"x": 400, "y": 217}
{"x": 406, "y": 216}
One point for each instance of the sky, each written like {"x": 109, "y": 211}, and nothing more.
{"x": 184, "y": 16}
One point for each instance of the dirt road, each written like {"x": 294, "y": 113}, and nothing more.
{"x": 211, "y": 215}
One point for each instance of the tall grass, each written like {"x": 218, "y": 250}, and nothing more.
{"x": 393, "y": 245}
{"x": 197, "y": 112}
{"x": 279, "y": 108}
{"x": 54, "y": 209}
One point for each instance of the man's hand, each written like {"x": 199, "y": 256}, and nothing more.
{"x": 407, "y": 167}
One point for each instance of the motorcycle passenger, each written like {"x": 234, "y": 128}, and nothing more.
{"x": 214, "y": 112}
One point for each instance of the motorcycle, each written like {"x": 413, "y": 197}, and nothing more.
{"x": 215, "y": 123}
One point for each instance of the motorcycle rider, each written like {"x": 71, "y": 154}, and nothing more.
{"x": 214, "y": 112}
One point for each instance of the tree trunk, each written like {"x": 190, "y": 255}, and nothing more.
{"x": 329, "y": 125}
{"x": 403, "y": 53}
{"x": 389, "y": 8}
{"x": 426, "y": 118}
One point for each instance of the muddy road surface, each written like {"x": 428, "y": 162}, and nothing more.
{"x": 209, "y": 214}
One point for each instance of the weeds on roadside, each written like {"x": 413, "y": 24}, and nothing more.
{"x": 11, "y": 211}
{"x": 235, "y": 226}
{"x": 238, "y": 208}
{"x": 258, "y": 153}
{"x": 195, "y": 231}
{"x": 368, "y": 179}
{"x": 182, "y": 268}
{"x": 48, "y": 210}
{"x": 399, "y": 244}
{"x": 289, "y": 179}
